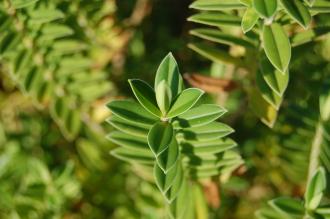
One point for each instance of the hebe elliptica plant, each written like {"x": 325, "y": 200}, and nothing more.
{"x": 169, "y": 131}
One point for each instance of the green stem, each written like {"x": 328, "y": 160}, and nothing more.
{"x": 315, "y": 154}
{"x": 315, "y": 151}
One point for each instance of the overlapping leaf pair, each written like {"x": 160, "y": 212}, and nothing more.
{"x": 312, "y": 207}
{"x": 168, "y": 131}
{"x": 265, "y": 44}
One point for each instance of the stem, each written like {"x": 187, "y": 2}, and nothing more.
{"x": 315, "y": 151}
{"x": 314, "y": 155}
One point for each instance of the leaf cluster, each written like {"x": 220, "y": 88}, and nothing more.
{"x": 168, "y": 132}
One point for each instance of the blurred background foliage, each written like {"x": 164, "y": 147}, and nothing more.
{"x": 54, "y": 157}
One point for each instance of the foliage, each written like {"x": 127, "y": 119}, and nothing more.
{"x": 61, "y": 61}
{"x": 53, "y": 64}
{"x": 292, "y": 208}
{"x": 169, "y": 133}
{"x": 273, "y": 32}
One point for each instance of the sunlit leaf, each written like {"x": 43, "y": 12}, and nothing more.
{"x": 215, "y": 19}
{"x": 249, "y": 20}
{"x": 275, "y": 79}
{"x": 216, "y": 55}
{"x": 211, "y": 131}
{"x": 163, "y": 96}
{"x": 266, "y": 112}
{"x": 320, "y": 6}
{"x": 288, "y": 206}
{"x": 298, "y": 11}
{"x": 277, "y": 46}
{"x": 325, "y": 102}
{"x": 180, "y": 207}
{"x": 145, "y": 95}
{"x": 184, "y": 102}
{"x": 315, "y": 189}
{"x": 215, "y": 5}
{"x": 267, "y": 93}
{"x": 40, "y": 16}
{"x": 207, "y": 147}
{"x": 265, "y": 8}
{"x": 310, "y": 2}
{"x": 220, "y": 37}
{"x": 22, "y": 3}
{"x": 160, "y": 137}
{"x": 125, "y": 140}
{"x": 165, "y": 180}
{"x": 129, "y": 127}
{"x": 131, "y": 155}
{"x": 198, "y": 116}
{"x": 131, "y": 111}
{"x": 247, "y": 3}
{"x": 174, "y": 190}
{"x": 167, "y": 159}
{"x": 169, "y": 72}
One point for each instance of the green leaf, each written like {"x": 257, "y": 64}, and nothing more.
{"x": 310, "y": 2}
{"x": 212, "y": 161}
{"x": 145, "y": 95}
{"x": 131, "y": 111}
{"x": 266, "y": 8}
{"x": 320, "y": 6}
{"x": 215, "y": 5}
{"x": 325, "y": 102}
{"x": 22, "y": 3}
{"x": 288, "y": 207}
{"x": 275, "y": 79}
{"x": 315, "y": 189}
{"x": 66, "y": 46}
{"x": 41, "y": 16}
{"x": 135, "y": 156}
{"x": 207, "y": 147}
{"x": 220, "y": 37}
{"x": 277, "y": 46}
{"x": 182, "y": 205}
{"x": 198, "y": 116}
{"x": 165, "y": 181}
{"x": 249, "y": 20}
{"x": 187, "y": 99}
{"x": 298, "y": 11}
{"x": 308, "y": 35}
{"x": 266, "y": 112}
{"x": 266, "y": 92}
{"x": 225, "y": 163}
{"x": 160, "y": 136}
{"x": 69, "y": 120}
{"x": 211, "y": 131}
{"x": 91, "y": 156}
{"x": 128, "y": 127}
{"x": 201, "y": 206}
{"x": 168, "y": 70}
{"x": 214, "y": 54}
{"x": 215, "y": 19}
{"x": 54, "y": 31}
{"x": 164, "y": 97}
{"x": 247, "y": 3}
{"x": 72, "y": 124}
{"x": 324, "y": 210}
{"x": 174, "y": 190}
{"x": 167, "y": 159}
{"x": 268, "y": 213}
{"x": 128, "y": 141}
